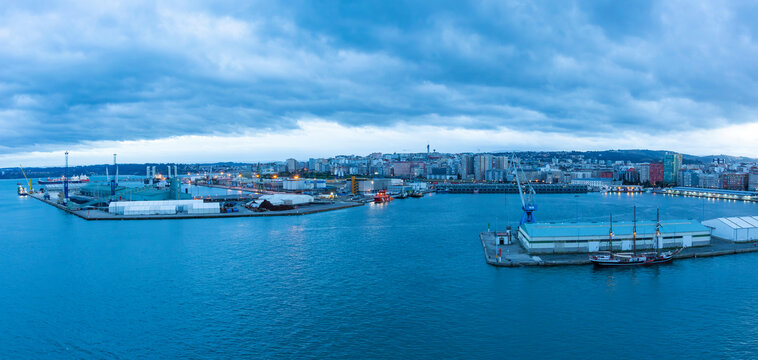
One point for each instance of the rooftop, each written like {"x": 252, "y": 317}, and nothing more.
{"x": 621, "y": 228}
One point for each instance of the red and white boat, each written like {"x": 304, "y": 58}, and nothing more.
{"x": 382, "y": 197}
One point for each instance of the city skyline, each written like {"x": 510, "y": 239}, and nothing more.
{"x": 194, "y": 82}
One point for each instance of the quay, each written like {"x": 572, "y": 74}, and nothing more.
{"x": 95, "y": 214}
{"x": 470, "y": 188}
{"x": 513, "y": 255}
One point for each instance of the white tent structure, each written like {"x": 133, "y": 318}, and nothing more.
{"x": 735, "y": 229}
{"x": 287, "y": 199}
{"x": 162, "y": 207}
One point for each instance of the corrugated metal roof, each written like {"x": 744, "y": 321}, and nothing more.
{"x": 644, "y": 228}
{"x": 741, "y": 222}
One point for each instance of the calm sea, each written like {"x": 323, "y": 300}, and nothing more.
{"x": 404, "y": 280}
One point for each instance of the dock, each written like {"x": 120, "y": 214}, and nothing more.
{"x": 243, "y": 212}
{"x": 513, "y": 255}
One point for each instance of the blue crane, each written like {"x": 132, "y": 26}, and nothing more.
{"x": 527, "y": 201}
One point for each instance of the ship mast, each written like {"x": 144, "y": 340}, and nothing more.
{"x": 657, "y": 229}
{"x": 610, "y": 238}
{"x": 634, "y": 233}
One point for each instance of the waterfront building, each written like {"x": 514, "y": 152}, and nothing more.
{"x": 584, "y": 237}
{"x": 655, "y": 173}
{"x": 689, "y": 178}
{"x": 753, "y": 180}
{"x": 496, "y": 175}
{"x": 596, "y": 183}
{"x": 735, "y": 229}
{"x": 467, "y": 166}
{"x": 732, "y": 181}
{"x": 672, "y": 163}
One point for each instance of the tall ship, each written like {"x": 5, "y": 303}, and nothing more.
{"x": 72, "y": 180}
{"x": 609, "y": 258}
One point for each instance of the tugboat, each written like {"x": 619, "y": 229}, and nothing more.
{"x": 610, "y": 258}
{"x": 382, "y": 197}
{"x": 22, "y": 191}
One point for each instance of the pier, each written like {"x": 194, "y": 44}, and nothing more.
{"x": 95, "y": 214}
{"x": 513, "y": 255}
{"x": 470, "y": 188}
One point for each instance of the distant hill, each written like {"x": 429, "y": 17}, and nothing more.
{"x": 635, "y": 155}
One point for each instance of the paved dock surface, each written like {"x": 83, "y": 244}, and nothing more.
{"x": 513, "y": 255}
{"x": 243, "y": 212}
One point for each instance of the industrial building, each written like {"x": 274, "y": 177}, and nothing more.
{"x": 735, "y": 229}
{"x": 162, "y": 207}
{"x": 584, "y": 237}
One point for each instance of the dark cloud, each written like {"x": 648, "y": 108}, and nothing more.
{"x": 76, "y": 72}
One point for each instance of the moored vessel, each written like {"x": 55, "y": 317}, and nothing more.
{"x": 382, "y": 197}
{"x": 609, "y": 258}
{"x": 60, "y": 180}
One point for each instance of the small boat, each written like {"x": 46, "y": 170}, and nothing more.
{"x": 417, "y": 194}
{"x": 382, "y": 197}
{"x": 22, "y": 191}
{"x": 609, "y": 258}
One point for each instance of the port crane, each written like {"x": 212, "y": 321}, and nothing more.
{"x": 31, "y": 190}
{"x": 527, "y": 200}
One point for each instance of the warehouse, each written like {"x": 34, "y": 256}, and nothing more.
{"x": 549, "y": 238}
{"x": 163, "y": 207}
{"x": 735, "y": 229}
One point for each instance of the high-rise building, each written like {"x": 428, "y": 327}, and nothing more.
{"x": 644, "y": 171}
{"x": 291, "y": 165}
{"x": 482, "y": 163}
{"x": 500, "y": 162}
{"x": 672, "y": 163}
{"x": 655, "y": 173}
{"x": 467, "y": 166}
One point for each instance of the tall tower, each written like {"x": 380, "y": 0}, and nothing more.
{"x": 115, "y": 174}
{"x": 65, "y": 180}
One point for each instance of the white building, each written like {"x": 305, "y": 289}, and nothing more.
{"x": 162, "y": 207}
{"x": 547, "y": 238}
{"x": 735, "y": 229}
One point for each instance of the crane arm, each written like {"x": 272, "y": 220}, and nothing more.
{"x": 27, "y": 179}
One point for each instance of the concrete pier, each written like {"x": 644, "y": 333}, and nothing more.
{"x": 243, "y": 212}
{"x": 514, "y": 255}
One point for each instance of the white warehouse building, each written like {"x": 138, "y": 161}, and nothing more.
{"x": 735, "y": 229}
{"x": 162, "y": 207}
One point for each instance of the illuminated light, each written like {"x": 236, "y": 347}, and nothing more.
{"x": 275, "y": 176}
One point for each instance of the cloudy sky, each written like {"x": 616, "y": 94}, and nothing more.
{"x": 253, "y": 81}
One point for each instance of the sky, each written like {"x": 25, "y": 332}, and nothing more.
{"x": 193, "y": 81}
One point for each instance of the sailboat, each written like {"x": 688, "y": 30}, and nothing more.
{"x": 659, "y": 257}
{"x": 610, "y": 258}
